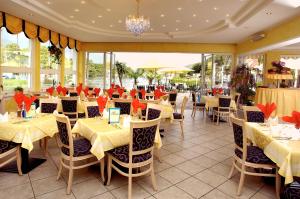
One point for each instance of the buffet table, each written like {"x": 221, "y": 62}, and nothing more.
{"x": 285, "y": 99}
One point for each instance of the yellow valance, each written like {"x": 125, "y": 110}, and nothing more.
{"x": 15, "y": 25}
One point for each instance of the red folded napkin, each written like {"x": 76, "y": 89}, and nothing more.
{"x": 112, "y": 85}
{"x": 136, "y": 105}
{"x": 120, "y": 91}
{"x": 267, "y": 109}
{"x": 79, "y": 89}
{"x": 110, "y": 92}
{"x": 143, "y": 92}
{"x": 125, "y": 96}
{"x": 295, "y": 119}
{"x": 86, "y": 91}
{"x": 220, "y": 91}
{"x": 28, "y": 101}
{"x": 19, "y": 98}
{"x": 133, "y": 93}
{"x": 101, "y": 103}
{"x": 117, "y": 86}
{"x": 158, "y": 93}
{"x": 97, "y": 91}
{"x": 64, "y": 91}
{"x": 59, "y": 89}
{"x": 50, "y": 91}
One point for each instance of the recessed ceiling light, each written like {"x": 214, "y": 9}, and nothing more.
{"x": 190, "y": 25}
{"x": 99, "y": 16}
{"x": 200, "y": 0}
{"x": 177, "y": 21}
{"x": 82, "y": 2}
{"x": 93, "y": 21}
{"x": 179, "y": 8}
{"x": 119, "y": 21}
{"x": 76, "y": 10}
{"x": 215, "y": 8}
{"x": 108, "y": 9}
{"x": 227, "y": 15}
{"x": 162, "y": 15}
{"x": 151, "y": 29}
{"x": 71, "y": 16}
{"x": 48, "y": 2}
{"x": 194, "y": 15}
{"x": 111, "y": 25}
{"x": 206, "y": 20}
{"x": 30, "y": 14}
{"x": 176, "y": 29}
{"x": 163, "y": 25}
{"x": 268, "y": 12}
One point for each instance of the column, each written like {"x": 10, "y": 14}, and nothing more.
{"x": 36, "y": 67}
{"x": 80, "y": 67}
{"x": 62, "y": 69}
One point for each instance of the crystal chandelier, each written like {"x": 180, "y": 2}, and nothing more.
{"x": 137, "y": 24}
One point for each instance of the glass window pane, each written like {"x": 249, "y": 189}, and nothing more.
{"x": 70, "y": 66}
{"x": 95, "y": 70}
{"x": 222, "y": 70}
{"x": 13, "y": 80}
{"x": 48, "y": 80}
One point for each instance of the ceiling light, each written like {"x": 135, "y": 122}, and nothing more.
{"x": 82, "y": 2}
{"x": 137, "y": 24}
{"x": 48, "y": 2}
{"x": 179, "y": 8}
{"x": 190, "y": 25}
{"x": 119, "y": 21}
{"x": 164, "y": 25}
{"x": 111, "y": 25}
{"x": 177, "y": 21}
{"x": 76, "y": 10}
{"x": 151, "y": 29}
{"x": 215, "y": 8}
{"x": 162, "y": 15}
{"x": 99, "y": 16}
{"x": 227, "y": 15}
{"x": 108, "y": 9}
{"x": 71, "y": 16}
{"x": 30, "y": 14}
{"x": 268, "y": 12}
{"x": 93, "y": 21}
{"x": 194, "y": 15}
{"x": 200, "y": 0}
{"x": 176, "y": 29}
{"x": 206, "y": 20}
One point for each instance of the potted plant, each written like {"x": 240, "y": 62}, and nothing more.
{"x": 19, "y": 89}
{"x": 55, "y": 54}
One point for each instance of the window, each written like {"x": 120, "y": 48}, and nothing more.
{"x": 49, "y": 69}
{"x": 70, "y": 67}
{"x": 222, "y": 70}
{"x": 95, "y": 72}
{"x": 256, "y": 64}
{"x": 15, "y": 60}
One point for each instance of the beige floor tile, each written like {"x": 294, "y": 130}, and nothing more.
{"x": 88, "y": 189}
{"x": 211, "y": 145}
{"x": 200, "y": 149}
{"x": 190, "y": 167}
{"x": 47, "y": 185}
{"x": 221, "y": 169}
{"x": 211, "y": 178}
{"x": 230, "y": 188}
{"x": 187, "y": 154}
{"x": 160, "y": 166}
{"x": 174, "y": 193}
{"x": 194, "y": 187}
{"x": 147, "y": 184}
{"x": 42, "y": 172}
{"x": 137, "y": 192}
{"x": 173, "y": 148}
{"x": 58, "y": 194}
{"x": 268, "y": 190}
{"x": 17, "y": 192}
{"x": 81, "y": 175}
{"x": 12, "y": 179}
{"x": 106, "y": 195}
{"x": 259, "y": 195}
{"x": 173, "y": 175}
{"x": 216, "y": 194}
{"x": 117, "y": 181}
{"x": 205, "y": 161}
{"x": 173, "y": 159}
{"x": 216, "y": 156}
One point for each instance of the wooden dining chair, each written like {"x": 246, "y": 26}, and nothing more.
{"x": 223, "y": 109}
{"x": 179, "y": 117}
{"x": 153, "y": 111}
{"x": 144, "y": 112}
{"x": 253, "y": 114}
{"x": 197, "y": 105}
{"x": 9, "y": 151}
{"x": 124, "y": 105}
{"x": 91, "y": 109}
{"x": 172, "y": 99}
{"x": 248, "y": 159}
{"x": 69, "y": 108}
{"x": 292, "y": 190}
{"x": 75, "y": 153}
{"x": 138, "y": 154}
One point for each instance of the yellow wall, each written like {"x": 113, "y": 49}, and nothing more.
{"x": 283, "y": 32}
{"x": 157, "y": 47}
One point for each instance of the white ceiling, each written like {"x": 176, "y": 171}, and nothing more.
{"x": 197, "y": 21}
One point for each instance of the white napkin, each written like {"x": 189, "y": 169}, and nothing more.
{"x": 4, "y": 117}
{"x": 272, "y": 121}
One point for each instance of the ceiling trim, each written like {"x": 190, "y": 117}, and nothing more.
{"x": 246, "y": 12}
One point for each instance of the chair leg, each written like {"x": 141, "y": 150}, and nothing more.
{"x": 109, "y": 162}
{"x": 242, "y": 178}
{"x": 218, "y": 119}
{"x": 102, "y": 169}
{"x": 130, "y": 183}
{"x": 70, "y": 181}
{"x": 181, "y": 126}
{"x": 193, "y": 112}
{"x": 232, "y": 169}
{"x": 19, "y": 161}
{"x": 158, "y": 155}
{"x": 213, "y": 116}
{"x": 153, "y": 178}
{"x": 60, "y": 170}
{"x": 278, "y": 184}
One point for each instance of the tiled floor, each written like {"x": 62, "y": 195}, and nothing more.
{"x": 194, "y": 167}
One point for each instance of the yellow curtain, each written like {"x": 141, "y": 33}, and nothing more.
{"x": 43, "y": 34}
{"x": 63, "y": 41}
{"x": 77, "y": 45}
{"x": 54, "y": 38}
{"x": 13, "y": 24}
{"x": 30, "y": 30}
{"x": 71, "y": 43}
{"x": 1, "y": 19}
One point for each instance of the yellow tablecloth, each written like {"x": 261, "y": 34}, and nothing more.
{"x": 285, "y": 153}
{"x": 166, "y": 111}
{"x": 286, "y": 99}
{"x": 105, "y": 137}
{"x": 212, "y": 101}
{"x": 27, "y": 131}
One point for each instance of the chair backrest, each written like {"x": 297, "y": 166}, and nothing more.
{"x": 239, "y": 135}
{"x": 172, "y": 97}
{"x": 183, "y": 105}
{"x": 237, "y": 98}
{"x": 140, "y": 95}
{"x": 153, "y": 111}
{"x": 64, "y": 133}
{"x": 253, "y": 114}
{"x": 73, "y": 94}
{"x": 124, "y": 105}
{"x": 47, "y": 105}
{"x": 115, "y": 95}
{"x": 224, "y": 101}
{"x": 69, "y": 107}
{"x": 142, "y": 136}
{"x": 194, "y": 97}
{"x": 91, "y": 109}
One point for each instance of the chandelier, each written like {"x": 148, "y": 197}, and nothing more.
{"x": 137, "y": 24}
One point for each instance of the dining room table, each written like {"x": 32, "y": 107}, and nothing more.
{"x": 280, "y": 143}
{"x": 213, "y": 101}
{"x": 26, "y": 131}
{"x": 104, "y": 136}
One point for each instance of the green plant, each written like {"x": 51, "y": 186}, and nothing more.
{"x": 121, "y": 70}
{"x": 19, "y": 89}
{"x": 150, "y": 75}
{"x": 55, "y": 54}
{"x": 135, "y": 74}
